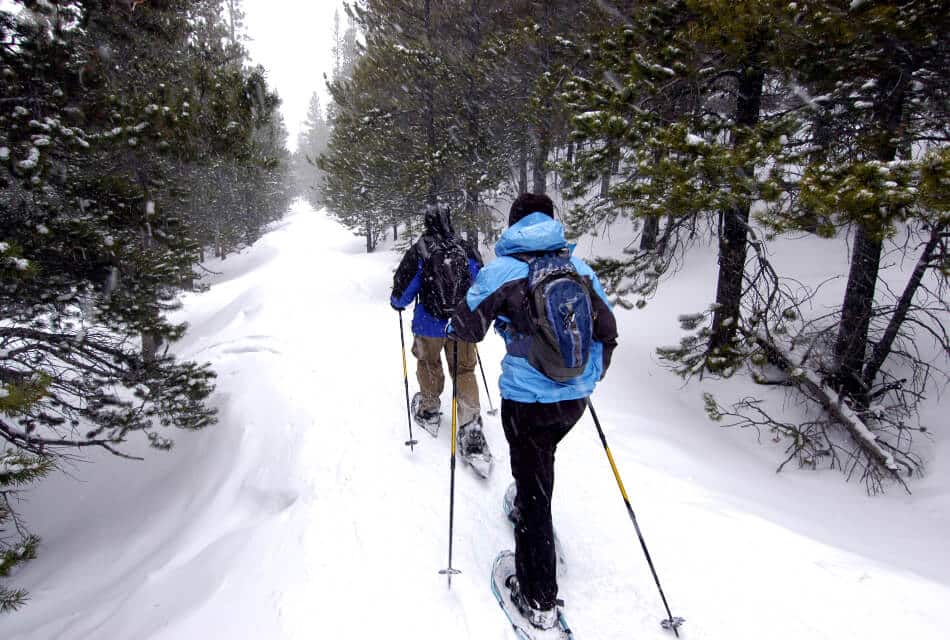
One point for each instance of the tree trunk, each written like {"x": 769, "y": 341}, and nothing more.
{"x": 150, "y": 345}
{"x": 539, "y": 171}
{"x": 523, "y": 166}
{"x": 541, "y": 131}
{"x": 651, "y": 224}
{"x": 370, "y": 244}
{"x": 883, "y": 348}
{"x": 651, "y": 229}
{"x": 395, "y": 231}
{"x": 473, "y": 122}
{"x": 150, "y": 341}
{"x": 432, "y": 195}
{"x": 852, "y": 342}
{"x": 851, "y": 345}
{"x": 470, "y": 217}
{"x": 734, "y": 221}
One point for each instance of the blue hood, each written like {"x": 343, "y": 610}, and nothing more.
{"x": 534, "y": 232}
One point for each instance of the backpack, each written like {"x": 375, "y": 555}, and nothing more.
{"x": 561, "y": 315}
{"x": 445, "y": 277}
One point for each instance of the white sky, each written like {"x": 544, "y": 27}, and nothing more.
{"x": 292, "y": 39}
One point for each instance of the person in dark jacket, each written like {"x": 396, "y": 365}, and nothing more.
{"x": 429, "y": 337}
{"x": 536, "y": 411}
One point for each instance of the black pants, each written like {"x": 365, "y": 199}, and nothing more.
{"x": 533, "y": 432}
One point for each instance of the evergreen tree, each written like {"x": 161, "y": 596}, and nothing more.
{"x": 311, "y": 144}
{"x": 877, "y": 138}
{"x": 391, "y": 149}
{"x": 111, "y": 116}
{"x": 441, "y": 98}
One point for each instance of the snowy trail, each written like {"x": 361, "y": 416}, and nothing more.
{"x": 302, "y": 514}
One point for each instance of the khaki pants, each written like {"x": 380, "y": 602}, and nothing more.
{"x": 428, "y": 353}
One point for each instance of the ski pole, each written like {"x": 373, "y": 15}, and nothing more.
{"x": 492, "y": 410}
{"x": 455, "y": 374}
{"x": 670, "y": 623}
{"x": 411, "y": 442}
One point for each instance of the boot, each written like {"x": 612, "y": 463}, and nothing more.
{"x": 540, "y": 618}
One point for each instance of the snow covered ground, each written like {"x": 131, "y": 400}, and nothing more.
{"x": 302, "y": 514}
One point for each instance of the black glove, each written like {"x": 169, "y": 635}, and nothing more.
{"x": 396, "y": 307}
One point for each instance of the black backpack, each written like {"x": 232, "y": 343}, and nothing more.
{"x": 445, "y": 276}
{"x": 561, "y": 314}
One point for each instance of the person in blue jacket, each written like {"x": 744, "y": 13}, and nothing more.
{"x": 429, "y": 339}
{"x": 536, "y": 411}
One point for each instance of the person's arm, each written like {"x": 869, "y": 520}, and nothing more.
{"x": 407, "y": 281}
{"x": 605, "y": 327}
{"x": 483, "y": 302}
{"x": 473, "y": 254}
{"x": 473, "y": 268}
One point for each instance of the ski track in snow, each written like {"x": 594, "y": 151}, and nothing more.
{"x": 302, "y": 514}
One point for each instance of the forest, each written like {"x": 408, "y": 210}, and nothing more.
{"x": 139, "y": 144}
{"x": 737, "y": 124}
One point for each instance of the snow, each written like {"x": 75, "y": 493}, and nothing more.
{"x": 693, "y": 140}
{"x": 849, "y": 415}
{"x": 32, "y": 159}
{"x": 813, "y": 102}
{"x": 4, "y": 153}
{"x": 302, "y": 514}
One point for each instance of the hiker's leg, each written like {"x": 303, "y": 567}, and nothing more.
{"x": 467, "y": 383}
{"x": 533, "y": 432}
{"x": 428, "y": 353}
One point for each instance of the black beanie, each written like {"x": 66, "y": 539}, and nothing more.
{"x": 528, "y": 203}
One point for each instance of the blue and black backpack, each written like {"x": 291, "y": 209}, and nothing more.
{"x": 562, "y": 316}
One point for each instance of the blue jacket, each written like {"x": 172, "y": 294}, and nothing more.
{"x": 499, "y": 294}
{"x": 407, "y": 284}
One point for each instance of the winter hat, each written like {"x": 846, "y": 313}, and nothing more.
{"x": 528, "y": 203}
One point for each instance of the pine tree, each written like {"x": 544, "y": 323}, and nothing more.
{"x": 392, "y": 148}
{"x": 110, "y": 118}
{"x": 880, "y": 85}
{"x": 17, "y": 469}
{"x": 311, "y": 144}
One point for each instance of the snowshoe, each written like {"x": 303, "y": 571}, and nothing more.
{"x": 501, "y": 582}
{"x": 473, "y": 448}
{"x": 428, "y": 420}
